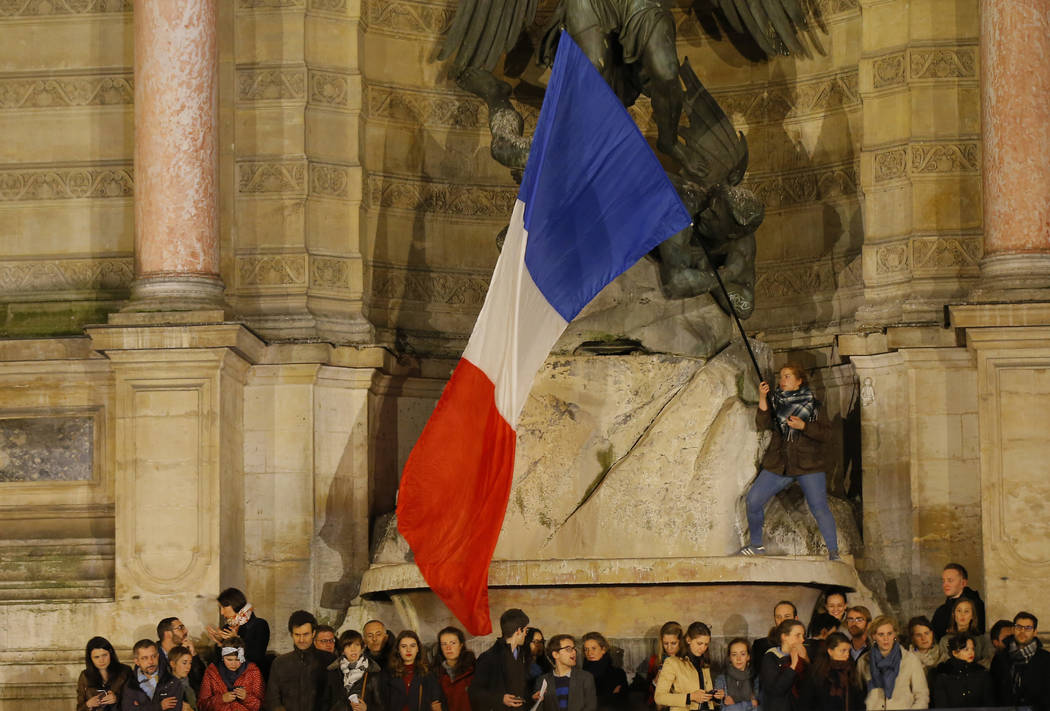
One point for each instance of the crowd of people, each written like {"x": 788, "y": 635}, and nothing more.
{"x": 844, "y": 660}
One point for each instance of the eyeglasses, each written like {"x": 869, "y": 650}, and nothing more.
{"x": 179, "y": 628}
{"x": 855, "y": 619}
{"x": 563, "y": 649}
{"x": 1027, "y": 628}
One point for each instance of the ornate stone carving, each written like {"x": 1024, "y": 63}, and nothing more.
{"x": 888, "y": 71}
{"x": 328, "y": 5}
{"x": 329, "y": 272}
{"x": 276, "y": 177}
{"x": 431, "y": 108}
{"x": 109, "y": 274}
{"x": 329, "y": 180}
{"x": 773, "y": 103}
{"x": 795, "y": 281}
{"x": 943, "y": 63}
{"x": 891, "y": 258}
{"x": 60, "y": 92}
{"x": 891, "y": 164}
{"x": 432, "y": 286}
{"x": 945, "y": 157}
{"x": 38, "y": 8}
{"x": 952, "y": 253}
{"x": 329, "y": 89}
{"x": 271, "y": 84}
{"x": 786, "y": 190}
{"x": 269, "y": 4}
{"x": 272, "y": 270}
{"x": 66, "y": 182}
{"x": 461, "y": 200}
{"x": 401, "y": 17}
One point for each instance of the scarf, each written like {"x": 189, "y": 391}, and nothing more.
{"x": 838, "y": 678}
{"x": 229, "y": 676}
{"x": 353, "y": 672}
{"x": 738, "y": 684}
{"x": 801, "y": 403}
{"x": 598, "y": 668}
{"x": 1019, "y": 658}
{"x": 241, "y": 617}
{"x": 884, "y": 669}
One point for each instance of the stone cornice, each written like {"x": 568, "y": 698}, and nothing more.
{"x": 106, "y": 179}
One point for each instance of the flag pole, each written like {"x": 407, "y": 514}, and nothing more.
{"x": 732, "y": 310}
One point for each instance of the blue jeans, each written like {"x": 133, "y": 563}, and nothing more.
{"x": 814, "y": 487}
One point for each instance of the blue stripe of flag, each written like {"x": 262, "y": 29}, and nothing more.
{"x": 596, "y": 198}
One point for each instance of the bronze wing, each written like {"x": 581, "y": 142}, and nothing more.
{"x": 482, "y": 31}
{"x": 715, "y": 152}
{"x": 777, "y": 26}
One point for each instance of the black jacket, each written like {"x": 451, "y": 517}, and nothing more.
{"x": 828, "y": 693}
{"x": 369, "y": 689}
{"x": 382, "y": 657}
{"x": 959, "y": 684}
{"x": 607, "y": 677}
{"x": 1034, "y": 677}
{"x": 134, "y": 698}
{"x": 497, "y": 673}
{"x": 942, "y": 616}
{"x": 775, "y": 681}
{"x": 423, "y": 690}
{"x": 298, "y": 680}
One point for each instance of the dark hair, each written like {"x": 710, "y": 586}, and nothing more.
{"x": 93, "y": 674}
{"x": 953, "y": 627}
{"x": 835, "y": 639}
{"x": 511, "y": 621}
{"x": 820, "y": 669}
{"x": 699, "y": 629}
{"x": 347, "y": 638}
{"x": 233, "y": 641}
{"x": 831, "y": 593}
{"x": 596, "y": 637}
{"x": 324, "y": 628}
{"x": 397, "y": 664}
{"x": 959, "y": 569}
{"x": 918, "y": 621}
{"x": 466, "y": 657}
{"x": 541, "y": 660}
{"x": 300, "y": 618}
{"x": 165, "y": 626}
{"x": 794, "y": 610}
{"x": 958, "y": 642}
{"x": 554, "y": 643}
{"x": 1027, "y": 616}
{"x": 374, "y": 622}
{"x": 785, "y": 627}
{"x": 672, "y": 628}
{"x": 998, "y": 628}
{"x": 737, "y": 640}
{"x": 143, "y": 644}
{"x": 233, "y": 598}
{"x": 822, "y": 621}
{"x": 862, "y": 610}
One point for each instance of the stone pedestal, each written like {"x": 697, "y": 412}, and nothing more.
{"x": 1016, "y": 137}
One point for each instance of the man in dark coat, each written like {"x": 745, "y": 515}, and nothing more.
{"x": 1021, "y": 672}
{"x": 151, "y": 687}
{"x": 568, "y": 688}
{"x": 172, "y": 633}
{"x": 298, "y": 678}
{"x": 954, "y": 583}
{"x": 501, "y": 675}
{"x": 379, "y": 643}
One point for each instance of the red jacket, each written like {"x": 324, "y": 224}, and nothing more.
{"x": 213, "y": 687}
{"x": 455, "y": 690}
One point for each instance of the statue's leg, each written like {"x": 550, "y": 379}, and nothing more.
{"x": 595, "y": 44}
{"x": 660, "y": 61}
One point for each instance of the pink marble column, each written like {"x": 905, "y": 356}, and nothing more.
{"x": 1015, "y": 120}
{"x": 176, "y": 155}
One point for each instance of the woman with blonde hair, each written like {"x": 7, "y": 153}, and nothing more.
{"x": 894, "y": 676}
{"x": 685, "y": 681}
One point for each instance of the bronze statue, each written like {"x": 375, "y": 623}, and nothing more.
{"x": 632, "y": 44}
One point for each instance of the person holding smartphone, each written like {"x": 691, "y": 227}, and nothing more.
{"x": 103, "y": 678}
{"x": 233, "y": 683}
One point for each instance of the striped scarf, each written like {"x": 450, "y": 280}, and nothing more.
{"x": 801, "y": 403}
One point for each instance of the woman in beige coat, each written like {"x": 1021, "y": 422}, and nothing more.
{"x": 894, "y": 676}
{"x": 685, "y": 679}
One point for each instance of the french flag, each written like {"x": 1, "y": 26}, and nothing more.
{"x": 593, "y": 201}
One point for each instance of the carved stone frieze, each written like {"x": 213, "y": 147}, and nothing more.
{"x": 271, "y": 84}
{"x": 945, "y": 157}
{"x": 775, "y": 102}
{"x": 39, "y": 8}
{"x": 329, "y": 180}
{"x": 261, "y": 270}
{"x": 484, "y": 201}
{"x": 889, "y": 71}
{"x": 952, "y": 253}
{"x": 432, "y": 286}
{"x": 329, "y": 272}
{"x": 66, "y": 182}
{"x": 891, "y": 164}
{"x": 107, "y": 273}
{"x": 783, "y": 190}
{"x": 431, "y": 108}
{"x": 943, "y": 63}
{"x": 329, "y": 5}
{"x": 403, "y": 17}
{"x": 788, "y": 283}
{"x": 257, "y": 178}
{"x": 65, "y": 91}
{"x": 269, "y": 4}
{"x": 891, "y": 258}
{"x": 329, "y": 89}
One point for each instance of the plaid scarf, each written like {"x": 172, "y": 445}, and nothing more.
{"x": 801, "y": 403}
{"x": 1019, "y": 658}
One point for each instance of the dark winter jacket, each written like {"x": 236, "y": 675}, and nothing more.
{"x": 805, "y": 454}
{"x": 959, "y": 684}
{"x": 134, "y": 698}
{"x": 369, "y": 688}
{"x": 777, "y": 682}
{"x": 1033, "y": 677}
{"x": 417, "y": 695}
{"x": 455, "y": 686}
{"x": 497, "y": 673}
{"x": 831, "y": 692}
{"x": 382, "y": 657}
{"x": 607, "y": 678}
{"x": 297, "y": 680}
{"x": 942, "y": 616}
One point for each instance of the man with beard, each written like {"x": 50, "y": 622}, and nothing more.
{"x": 151, "y": 687}
{"x": 858, "y": 618}
{"x": 1021, "y": 672}
{"x": 172, "y": 633}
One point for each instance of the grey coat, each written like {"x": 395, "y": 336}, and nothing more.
{"x": 582, "y": 694}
